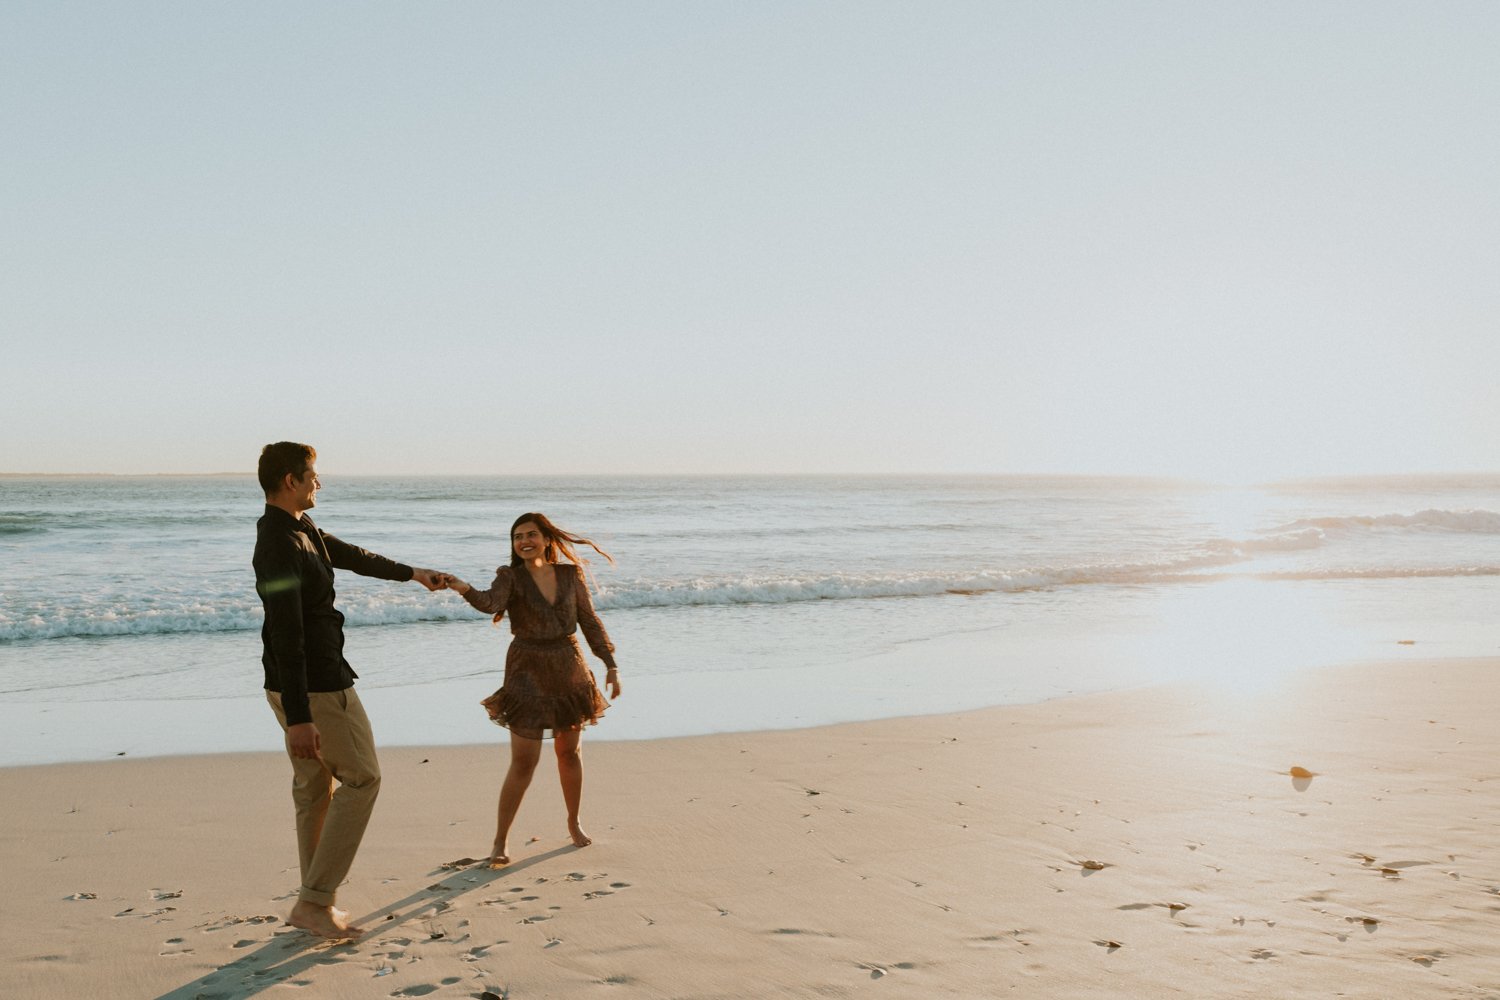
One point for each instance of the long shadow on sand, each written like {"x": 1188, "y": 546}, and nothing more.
{"x": 292, "y": 954}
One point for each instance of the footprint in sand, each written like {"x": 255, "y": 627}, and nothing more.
{"x": 1260, "y": 954}
{"x": 876, "y": 972}
{"x": 1172, "y": 908}
{"x": 990, "y": 940}
{"x": 233, "y": 921}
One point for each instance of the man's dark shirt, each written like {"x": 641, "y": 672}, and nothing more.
{"x": 304, "y": 633}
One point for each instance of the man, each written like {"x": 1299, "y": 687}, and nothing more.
{"x": 309, "y": 683}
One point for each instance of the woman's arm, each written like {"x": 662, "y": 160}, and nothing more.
{"x": 593, "y": 629}
{"x": 492, "y": 601}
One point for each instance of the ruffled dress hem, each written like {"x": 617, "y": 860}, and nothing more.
{"x": 530, "y": 715}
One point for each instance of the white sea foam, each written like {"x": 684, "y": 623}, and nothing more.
{"x": 1481, "y": 522}
{"x": 1381, "y": 573}
{"x": 180, "y": 613}
{"x": 92, "y": 621}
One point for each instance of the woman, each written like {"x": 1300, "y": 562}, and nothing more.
{"x": 548, "y": 689}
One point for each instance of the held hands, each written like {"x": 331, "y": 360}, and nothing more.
{"x": 429, "y": 578}
{"x": 454, "y": 584}
{"x": 434, "y": 580}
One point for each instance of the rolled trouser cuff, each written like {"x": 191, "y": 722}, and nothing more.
{"x": 315, "y": 896}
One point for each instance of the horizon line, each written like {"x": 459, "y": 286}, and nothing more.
{"x": 1153, "y": 477}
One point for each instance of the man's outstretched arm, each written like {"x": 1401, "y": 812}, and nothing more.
{"x": 367, "y": 563}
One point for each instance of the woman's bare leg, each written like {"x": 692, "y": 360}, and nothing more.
{"x": 524, "y": 754}
{"x": 569, "y": 748}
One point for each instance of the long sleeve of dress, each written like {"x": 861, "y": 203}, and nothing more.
{"x": 494, "y": 600}
{"x": 589, "y": 623}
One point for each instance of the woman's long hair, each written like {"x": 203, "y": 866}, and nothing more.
{"x": 559, "y": 542}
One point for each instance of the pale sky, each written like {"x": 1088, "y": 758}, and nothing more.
{"x": 1232, "y": 241}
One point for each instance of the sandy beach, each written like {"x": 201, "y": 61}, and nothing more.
{"x": 1147, "y": 843}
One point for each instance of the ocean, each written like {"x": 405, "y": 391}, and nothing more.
{"x": 129, "y": 622}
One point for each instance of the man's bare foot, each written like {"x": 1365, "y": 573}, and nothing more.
{"x": 499, "y": 855}
{"x": 324, "y": 921}
{"x": 580, "y": 839}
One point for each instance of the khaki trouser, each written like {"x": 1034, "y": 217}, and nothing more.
{"x": 331, "y": 823}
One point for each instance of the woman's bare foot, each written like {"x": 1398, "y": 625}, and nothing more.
{"x": 580, "y": 839}
{"x": 499, "y": 855}
{"x": 324, "y": 921}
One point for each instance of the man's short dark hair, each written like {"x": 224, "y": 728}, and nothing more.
{"x": 283, "y": 458}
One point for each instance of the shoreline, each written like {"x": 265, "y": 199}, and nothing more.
{"x": 947, "y": 673}
{"x": 943, "y": 854}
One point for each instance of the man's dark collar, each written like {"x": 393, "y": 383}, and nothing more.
{"x": 275, "y": 513}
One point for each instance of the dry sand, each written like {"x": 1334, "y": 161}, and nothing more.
{"x": 1146, "y": 844}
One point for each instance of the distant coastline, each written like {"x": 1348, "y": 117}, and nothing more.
{"x": 1434, "y": 479}
{"x": 124, "y": 475}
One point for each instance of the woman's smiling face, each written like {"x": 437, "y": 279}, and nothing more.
{"x": 528, "y": 542}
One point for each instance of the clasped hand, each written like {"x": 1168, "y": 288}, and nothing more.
{"x": 434, "y": 580}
